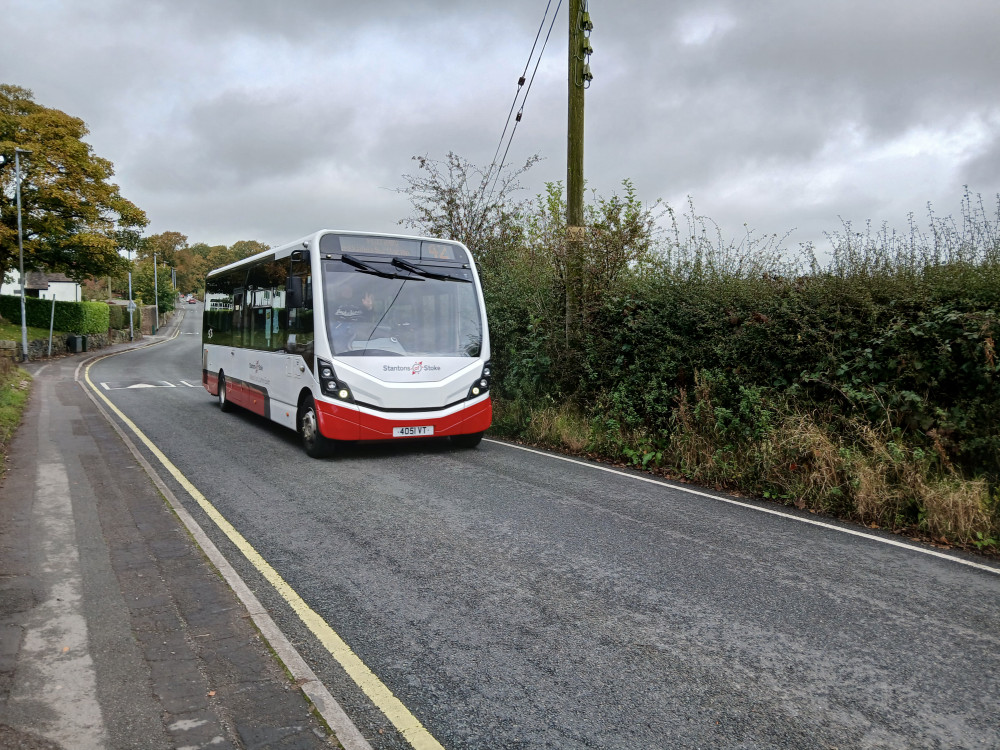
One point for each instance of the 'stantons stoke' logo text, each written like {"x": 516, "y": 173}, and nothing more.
{"x": 414, "y": 369}
{"x": 256, "y": 366}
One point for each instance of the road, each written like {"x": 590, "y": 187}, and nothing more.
{"x": 511, "y": 599}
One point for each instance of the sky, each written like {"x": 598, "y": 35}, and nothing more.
{"x": 232, "y": 120}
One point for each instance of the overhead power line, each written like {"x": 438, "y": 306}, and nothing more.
{"x": 520, "y": 81}
{"x": 524, "y": 98}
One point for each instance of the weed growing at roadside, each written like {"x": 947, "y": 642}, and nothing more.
{"x": 15, "y": 385}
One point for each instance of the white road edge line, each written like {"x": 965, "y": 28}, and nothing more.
{"x": 769, "y": 511}
{"x": 326, "y": 705}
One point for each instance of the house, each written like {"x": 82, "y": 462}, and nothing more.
{"x": 42, "y": 285}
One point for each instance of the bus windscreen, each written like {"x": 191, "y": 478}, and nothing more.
{"x": 400, "y": 314}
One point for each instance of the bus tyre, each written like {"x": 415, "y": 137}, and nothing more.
{"x": 224, "y": 403}
{"x": 467, "y": 441}
{"x": 315, "y": 444}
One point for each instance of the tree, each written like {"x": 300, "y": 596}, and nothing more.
{"x": 74, "y": 219}
{"x": 455, "y": 200}
{"x": 164, "y": 245}
{"x": 145, "y": 285}
{"x": 193, "y": 262}
{"x": 244, "y": 249}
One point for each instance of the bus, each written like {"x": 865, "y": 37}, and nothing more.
{"x": 352, "y": 336}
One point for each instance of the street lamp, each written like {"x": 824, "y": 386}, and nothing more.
{"x": 131, "y": 304}
{"x": 20, "y": 251}
{"x": 156, "y": 298}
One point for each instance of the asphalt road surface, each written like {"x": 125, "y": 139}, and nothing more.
{"x": 511, "y": 599}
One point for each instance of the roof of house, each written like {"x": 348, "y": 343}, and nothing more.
{"x": 41, "y": 280}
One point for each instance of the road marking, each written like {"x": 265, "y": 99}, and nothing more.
{"x": 408, "y": 725}
{"x": 115, "y": 386}
{"x": 769, "y": 511}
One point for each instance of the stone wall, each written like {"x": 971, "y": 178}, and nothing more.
{"x": 39, "y": 348}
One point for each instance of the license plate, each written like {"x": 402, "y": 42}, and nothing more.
{"x": 414, "y": 431}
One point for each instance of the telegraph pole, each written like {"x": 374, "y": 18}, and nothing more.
{"x": 579, "y": 79}
{"x": 574, "y": 150}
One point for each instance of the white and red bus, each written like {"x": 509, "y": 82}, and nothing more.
{"x": 346, "y": 336}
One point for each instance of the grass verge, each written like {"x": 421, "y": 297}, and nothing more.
{"x": 15, "y": 385}
{"x": 853, "y": 472}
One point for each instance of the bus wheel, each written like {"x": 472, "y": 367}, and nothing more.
{"x": 315, "y": 444}
{"x": 224, "y": 403}
{"x": 467, "y": 441}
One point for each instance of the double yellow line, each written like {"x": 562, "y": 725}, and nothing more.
{"x": 393, "y": 709}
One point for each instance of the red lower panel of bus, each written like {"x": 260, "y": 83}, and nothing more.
{"x": 338, "y": 423}
{"x": 239, "y": 392}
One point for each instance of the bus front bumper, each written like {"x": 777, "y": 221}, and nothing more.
{"x": 341, "y": 422}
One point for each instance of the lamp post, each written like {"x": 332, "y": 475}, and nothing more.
{"x": 20, "y": 250}
{"x": 156, "y": 297}
{"x": 131, "y": 304}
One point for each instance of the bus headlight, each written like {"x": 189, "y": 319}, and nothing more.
{"x": 483, "y": 384}
{"x": 329, "y": 383}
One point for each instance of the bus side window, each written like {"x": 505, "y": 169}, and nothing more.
{"x": 236, "y": 326}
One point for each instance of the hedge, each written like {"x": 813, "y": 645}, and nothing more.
{"x": 70, "y": 317}
{"x": 916, "y": 353}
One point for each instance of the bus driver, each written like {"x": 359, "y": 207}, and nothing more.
{"x": 351, "y": 311}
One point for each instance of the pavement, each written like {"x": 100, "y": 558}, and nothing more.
{"x": 117, "y": 629}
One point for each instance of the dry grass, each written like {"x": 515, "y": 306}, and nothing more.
{"x": 879, "y": 480}
{"x": 956, "y": 509}
{"x": 559, "y": 426}
{"x": 810, "y": 463}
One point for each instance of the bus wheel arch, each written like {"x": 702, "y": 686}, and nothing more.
{"x": 224, "y": 403}
{"x": 316, "y": 444}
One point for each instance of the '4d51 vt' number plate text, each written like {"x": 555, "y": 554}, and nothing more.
{"x": 421, "y": 431}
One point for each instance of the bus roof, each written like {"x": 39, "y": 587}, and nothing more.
{"x": 304, "y": 243}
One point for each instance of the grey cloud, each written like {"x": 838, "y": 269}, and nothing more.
{"x": 242, "y": 116}
{"x": 984, "y": 167}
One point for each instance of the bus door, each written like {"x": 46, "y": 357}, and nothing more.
{"x": 298, "y": 302}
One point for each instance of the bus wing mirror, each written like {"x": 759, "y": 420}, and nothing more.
{"x": 293, "y": 292}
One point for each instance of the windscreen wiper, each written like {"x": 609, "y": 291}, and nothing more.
{"x": 361, "y": 265}
{"x": 441, "y": 274}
